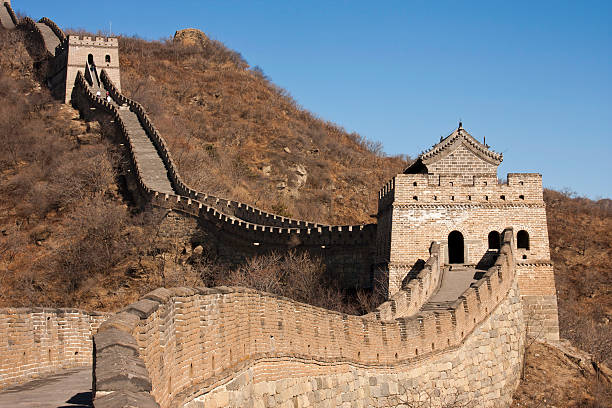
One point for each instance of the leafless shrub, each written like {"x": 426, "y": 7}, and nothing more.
{"x": 419, "y": 398}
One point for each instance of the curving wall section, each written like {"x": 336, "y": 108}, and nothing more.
{"x": 224, "y": 346}
{"x": 228, "y": 207}
{"x": 352, "y": 246}
{"x": 37, "y": 341}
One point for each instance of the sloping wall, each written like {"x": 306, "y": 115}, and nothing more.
{"x": 185, "y": 345}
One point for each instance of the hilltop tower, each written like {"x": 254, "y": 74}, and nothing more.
{"x": 451, "y": 195}
{"x": 87, "y": 54}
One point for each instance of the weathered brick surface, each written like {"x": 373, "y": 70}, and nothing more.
{"x": 37, "y": 341}
{"x": 222, "y": 344}
{"x": 454, "y": 187}
{"x": 484, "y": 369}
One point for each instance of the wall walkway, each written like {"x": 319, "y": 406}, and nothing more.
{"x": 38, "y": 341}
{"x": 228, "y": 345}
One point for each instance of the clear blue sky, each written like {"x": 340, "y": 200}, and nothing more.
{"x": 534, "y": 77}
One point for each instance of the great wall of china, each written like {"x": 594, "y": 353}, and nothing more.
{"x": 453, "y": 326}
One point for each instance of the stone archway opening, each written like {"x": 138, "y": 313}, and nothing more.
{"x": 494, "y": 240}
{"x": 522, "y": 239}
{"x": 455, "y": 248}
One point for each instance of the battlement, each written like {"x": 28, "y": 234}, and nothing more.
{"x": 192, "y": 340}
{"x": 37, "y": 341}
{"x": 418, "y": 189}
{"x": 75, "y": 40}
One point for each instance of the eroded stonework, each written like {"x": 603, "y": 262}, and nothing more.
{"x": 484, "y": 370}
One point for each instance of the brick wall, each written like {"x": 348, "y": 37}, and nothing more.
{"x": 484, "y": 370}
{"x": 100, "y": 48}
{"x": 39, "y": 341}
{"x": 184, "y": 343}
{"x": 462, "y": 161}
{"x": 428, "y": 207}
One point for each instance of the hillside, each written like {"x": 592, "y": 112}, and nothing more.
{"x": 71, "y": 236}
{"x": 235, "y": 134}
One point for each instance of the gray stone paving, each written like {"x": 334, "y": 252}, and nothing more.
{"x": 5, "y": 18}
{"x": 51, "y": 40}
{"x": 65, "y": 389}
{"x": 152, "y": 168}
{"x": 454, "y": 283}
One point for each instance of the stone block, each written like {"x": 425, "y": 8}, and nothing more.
{"x": 117, "y": 369}
{"x": 143, "y": 308}
{"x": 126, "y": 399}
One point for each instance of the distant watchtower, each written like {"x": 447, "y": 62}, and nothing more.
{"x": 451, "y": 195}
{"x": 86, "y": 54}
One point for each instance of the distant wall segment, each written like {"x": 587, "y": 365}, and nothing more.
{"x": 38, "y": 341}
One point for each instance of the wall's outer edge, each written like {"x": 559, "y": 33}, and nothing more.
{"x": 37, "y": 341}
{"x": 154, "y": 336}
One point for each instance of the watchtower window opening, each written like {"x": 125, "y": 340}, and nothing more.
{"x": 522, "y": 239}
{"x": 455, "y": 248}
{"x": 494, "y": 240}
{"x": 107, "y": 59}
{"x": 90, "y": 59}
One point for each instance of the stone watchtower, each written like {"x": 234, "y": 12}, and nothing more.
{"x": 90, "y": 55}
{"x": 451, "y": 195}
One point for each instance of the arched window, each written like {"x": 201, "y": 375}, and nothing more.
{"x": 455, "y": 248}
{"x": 90, "y": 59}
{"x": 494, "y": 240}
{"x": 522, "y": 239}
{"x": 107, "y": 59}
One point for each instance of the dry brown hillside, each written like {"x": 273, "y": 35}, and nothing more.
{"x": 580, "y": 233}
{"x": 235, "y": 134}
{"x": 70, "y": 237}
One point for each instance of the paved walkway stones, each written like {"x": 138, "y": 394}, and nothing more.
{"x": 65, "y": 389}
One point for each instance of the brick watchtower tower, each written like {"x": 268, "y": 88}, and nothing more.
{"x": 451, "y": 195}
{"x": 87, "y": 54}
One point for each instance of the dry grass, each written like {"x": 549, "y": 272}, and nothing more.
{"x": 581, "y": 248}
{"x": 226, "y": 123}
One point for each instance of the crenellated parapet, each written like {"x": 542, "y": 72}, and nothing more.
{"x": 451, "y": 195}
{"x": 7, "y": 11}
{"x": 256, "y": 235}
{"x": 192, "y": 342}
{"x": 229, "y": 207}
{"x": 54, "y": 27}
{"x": 38, "y": 341}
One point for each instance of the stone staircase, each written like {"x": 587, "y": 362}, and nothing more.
{"x": 5, "y": 18}
{"x": 455, "y": 282}
{"x": 51, "y": 40}
{"x": 152, "y": 169}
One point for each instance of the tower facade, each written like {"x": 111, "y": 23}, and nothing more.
{"x": 88, "y": 54}
{"x": 451, "y": 195}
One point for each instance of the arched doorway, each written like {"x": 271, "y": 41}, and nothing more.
{"x": 90, "y": 59}
{"x": 494, "y": 240}
{"x": 455, "y": 248}
{"x": 522, "y": 239}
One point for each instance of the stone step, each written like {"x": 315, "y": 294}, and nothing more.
{"x": 49, "y": 37}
